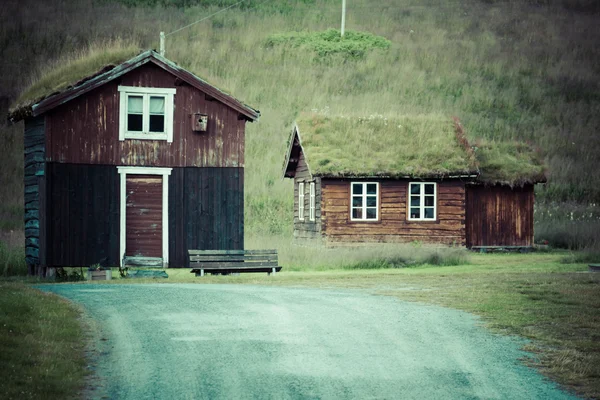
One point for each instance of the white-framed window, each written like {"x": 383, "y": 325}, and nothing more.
{"x": 146, "y": 113}
{"x": 365, "y": 201}
{"x": 312, "y": 202}
{"x": 301, "y": 201}
{"x": 422, "y": 201}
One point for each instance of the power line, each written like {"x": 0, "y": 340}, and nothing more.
{"x": 200, "y": 20}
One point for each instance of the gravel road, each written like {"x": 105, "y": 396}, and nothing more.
{"x": 175, "y": 341}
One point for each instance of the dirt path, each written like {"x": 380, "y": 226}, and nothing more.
{"x": 236, "y": 342}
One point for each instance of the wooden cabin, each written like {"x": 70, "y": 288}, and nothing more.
{"x": 141, "y": 160}
{"x": 373, "y": 180}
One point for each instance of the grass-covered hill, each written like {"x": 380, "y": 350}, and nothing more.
{"x": 527, "y": 70}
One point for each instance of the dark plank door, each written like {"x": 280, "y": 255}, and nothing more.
{"x": 144, "y": 216}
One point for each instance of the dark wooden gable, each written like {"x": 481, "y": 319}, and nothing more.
{"x": 293, "y": 156}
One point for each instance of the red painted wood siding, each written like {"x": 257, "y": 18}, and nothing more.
{"x": 393, "y": 225}
{"x": 86, "y": 129}
{"x": 499, "y": 216}
{"x": 144, "y": 216}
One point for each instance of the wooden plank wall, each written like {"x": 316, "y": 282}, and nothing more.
{"x": 144, "y": 214}
{"x": 82, "y": 215}
{"x": 34, "y": 147}
{"x": 206, "y": 211}
{"x": 86, "y": 130}
{"x": 499, "y": 216}
{"x": 393, "y": 225}
{"x": 307, "y": 230}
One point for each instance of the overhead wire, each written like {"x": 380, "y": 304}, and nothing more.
{"x": 205, "y": 18}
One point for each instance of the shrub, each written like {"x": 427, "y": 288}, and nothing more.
{"x": 353, "y": 45}
{"x": 12, "y": 260}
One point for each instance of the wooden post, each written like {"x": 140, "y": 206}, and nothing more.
{"x": 343, "y": 17}
{"x": 162, "y": 43}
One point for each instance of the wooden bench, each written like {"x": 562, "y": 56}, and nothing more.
{"x": 228, "y": 261}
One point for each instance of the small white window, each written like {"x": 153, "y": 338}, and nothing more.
{"x": 146, "y": 113}
{"x": 312, "y": 201}
{"x": 422, "y": 201}
{"x": 365, "y": 201}
{"x": 301, "y": 201}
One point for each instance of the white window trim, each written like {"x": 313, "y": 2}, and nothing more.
{"x": 301, "y": 201}
{"x": 312, "y": 202}
{"x": 422, "y": 201}
{"x": 164, "y": 172}
{"x": 167, "y": 93}
{"x": 364, "y": 202}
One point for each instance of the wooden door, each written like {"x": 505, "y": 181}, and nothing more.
{"x": 143, "y": 216}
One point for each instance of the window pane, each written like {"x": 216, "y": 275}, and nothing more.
{"x": 356, "y": 213}
{"x": 371, "y": 201}
{"x": 356, "y": 201}
{"x": 415, "y": 188}
{"x": 429, "y": 212}
{"x": 415, "y": 213}
{"x": 429, "y": 201}
{"x": 134, "y": 122}
{"x": 157, "y": 105}
{"x": 371, "y": 213}
{"x": 429, "y": 188}
{"x": 371, "y": 188}
{"x": 415, "y": 201}
{"x": 357, "y": 188}
{"x": 157, "y": 123}
{"x": 135, "y": 104}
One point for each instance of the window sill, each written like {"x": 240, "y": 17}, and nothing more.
{"x": 146, "y": 136}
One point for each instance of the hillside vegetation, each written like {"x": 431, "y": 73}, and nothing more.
{"x": 525, "y": 70}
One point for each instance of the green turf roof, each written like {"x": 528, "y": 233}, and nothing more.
{"x": 418, "y": 146}
{"x": 69, "y": 72}
{"x": 508, "y": 163}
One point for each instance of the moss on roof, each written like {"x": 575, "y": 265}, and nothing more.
{"x": 68, "y": 72}
{"x": 508, "y": 163}
{"x": 417, "y": 146}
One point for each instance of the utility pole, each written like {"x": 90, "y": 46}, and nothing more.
{"x": 343, "y": 16}
{"x": 162, "y": 43}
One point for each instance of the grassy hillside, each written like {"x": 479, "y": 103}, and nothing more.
{"x": 508, "y": 69}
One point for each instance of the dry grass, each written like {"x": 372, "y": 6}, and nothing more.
{"x": 72, "y": 68}
{"x": 400, "y": 146}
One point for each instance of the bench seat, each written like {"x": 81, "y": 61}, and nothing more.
{"x": 233, "y": 261}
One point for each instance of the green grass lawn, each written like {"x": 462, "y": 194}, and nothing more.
{"x": 42, "y": 345}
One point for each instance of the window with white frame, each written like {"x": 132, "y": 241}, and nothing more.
{"x": 312, "y": 202}
{"x": 146, "y": 113}
{"x": 422, "y": 201}
{"x": 301, "y": 201}
{"x": 365, "y": 201}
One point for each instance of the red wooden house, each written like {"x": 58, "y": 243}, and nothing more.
{"x": 402, "y": 180}
{"x": 142, "y": 160}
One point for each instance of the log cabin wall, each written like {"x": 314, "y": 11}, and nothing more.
{"x": 34, "y": 195}
{"x": 86, "y": 129}
{"x": 393, "y": 225}
{"x": 306, "y": 230}
{"x": 499, "y": 215}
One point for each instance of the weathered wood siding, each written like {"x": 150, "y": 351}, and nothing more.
{"x": 206, "y": 211}
{"x": 82, "y": 215}
{"x": 393, "y": 225}
{"x": 34, "y": 196}
{"x": 86, "y": 130}
{"x": 499, "y": 216}
{"x": 144, "y": 214}
{"x": 307, "y": 230}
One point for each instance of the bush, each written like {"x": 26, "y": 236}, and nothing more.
{"x": 353, "y": 45}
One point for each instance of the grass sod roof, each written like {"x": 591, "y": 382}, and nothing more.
{"x": 72, "y": 71}
{"x": 508, "y": 163}
{"x": 417, "y": 146}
